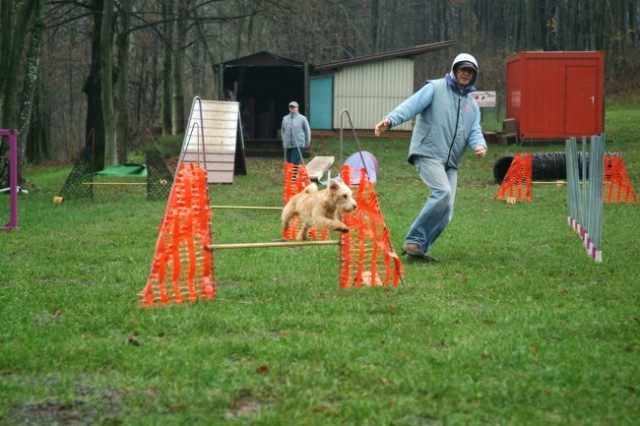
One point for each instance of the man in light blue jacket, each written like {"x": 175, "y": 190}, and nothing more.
{"x": 447, "y": 122}
{"x": 296, "y": 134}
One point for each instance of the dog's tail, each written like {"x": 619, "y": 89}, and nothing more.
{"x": 311, "y": 188}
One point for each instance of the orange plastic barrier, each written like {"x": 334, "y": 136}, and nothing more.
{"x": 296, "y": 180}
{"x": 367, "y": 257}
{"x": 517, "y": 181}
{"x": 617, "y": 186}
{"x": 182, "y": 267}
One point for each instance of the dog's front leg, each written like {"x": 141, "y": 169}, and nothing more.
{"x": 333, "y": 224}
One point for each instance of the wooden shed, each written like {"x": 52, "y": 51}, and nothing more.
{"x": 368, "y": 86}
{"x": 556, "y": 95}
{"x": 263, "y": 84}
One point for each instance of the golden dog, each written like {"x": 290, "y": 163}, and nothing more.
{"x": 319, "y": 209}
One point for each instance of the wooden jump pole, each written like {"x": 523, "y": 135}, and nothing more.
{"x": 557, "y": 182}
{"x": 247, "y": 207}
{"x": 114, "y": 183}
{"x": 274, "y": 244}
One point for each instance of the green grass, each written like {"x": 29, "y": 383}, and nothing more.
{"x": 516, "y": 325}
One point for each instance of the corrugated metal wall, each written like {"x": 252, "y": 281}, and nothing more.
{"x": 370, "y": 91}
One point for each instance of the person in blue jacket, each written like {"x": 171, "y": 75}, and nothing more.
{"x": 447, "y": 122}
{"x": 296, "y": 134}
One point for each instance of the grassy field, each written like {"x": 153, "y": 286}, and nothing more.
{"x": 515, "y": 326}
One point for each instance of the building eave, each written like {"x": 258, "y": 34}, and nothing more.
{"x": 393, "y": 54}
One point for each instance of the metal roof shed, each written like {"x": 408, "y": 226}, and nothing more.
{"x": 368, "y": 86}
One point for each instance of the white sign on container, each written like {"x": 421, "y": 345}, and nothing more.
{"x": 485, "y": 99}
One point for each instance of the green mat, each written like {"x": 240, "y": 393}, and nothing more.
{"x": 127, "y": 169}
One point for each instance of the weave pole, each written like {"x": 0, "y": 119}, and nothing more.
{"x": 573, "y": 185}
{"x": 593, "y": 237}
{"x": 584, "y": 197}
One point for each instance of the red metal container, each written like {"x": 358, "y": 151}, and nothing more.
{"x": 556, "y": 95}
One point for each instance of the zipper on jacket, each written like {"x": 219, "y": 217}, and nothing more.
{"x": 456, "y": 130}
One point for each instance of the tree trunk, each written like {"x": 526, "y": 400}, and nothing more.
{"x": 32, "y": 66}
{"x": 6, "y": 27}
{"x": 95, "y": 120}
{"x": 167, "y": 18}
{"x": 38, "y": 145}
{"x": 13, "y": 49}
{"x": 208, "y": 52}
{"x": 106, "y": 78}
{"x": 177, "y": 116}
{"x": 122, "y": 110}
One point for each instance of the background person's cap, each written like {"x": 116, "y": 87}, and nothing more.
{"x": 293, "y": 103}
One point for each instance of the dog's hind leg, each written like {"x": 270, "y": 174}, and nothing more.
{"x": 304, "y": 232}
{"x": 288, "y": 213}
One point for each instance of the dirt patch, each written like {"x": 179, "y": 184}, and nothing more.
{"x": 90, "y": 406}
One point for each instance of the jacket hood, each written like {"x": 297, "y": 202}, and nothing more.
{"x": 464, "y": 57}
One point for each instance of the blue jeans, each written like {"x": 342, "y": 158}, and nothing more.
{"x": 437, "y": 211}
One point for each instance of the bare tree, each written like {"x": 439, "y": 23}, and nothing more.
{"x": 167, "y": 65}
{"x": 30, "y": 76}
{"x": 94, "y": 123}
{"x": 122, "y": 80}
{"x": 13, "y": 39}
{"x": 106, "y": 81}
{"x": 14, "y": 22}
{"x": 177, "y": 81}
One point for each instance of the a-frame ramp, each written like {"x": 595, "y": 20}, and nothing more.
{"x": 214, "y": 140}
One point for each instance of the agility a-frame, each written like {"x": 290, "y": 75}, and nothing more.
{"x": 216, "y": 126}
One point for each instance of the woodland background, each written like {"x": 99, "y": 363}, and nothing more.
{"x": 75, "y": 70}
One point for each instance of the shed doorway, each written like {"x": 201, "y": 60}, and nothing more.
{"x": 263, "y": 84}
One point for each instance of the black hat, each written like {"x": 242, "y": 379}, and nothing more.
{"x": 466, "y": 64}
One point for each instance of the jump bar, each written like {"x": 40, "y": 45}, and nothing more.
{"x": 274, "y": 244}
{"x": 114, "y": 183}
{"x": 247, "y": 207}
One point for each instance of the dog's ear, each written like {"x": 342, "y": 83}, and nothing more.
{"x": 334, "y": 185}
